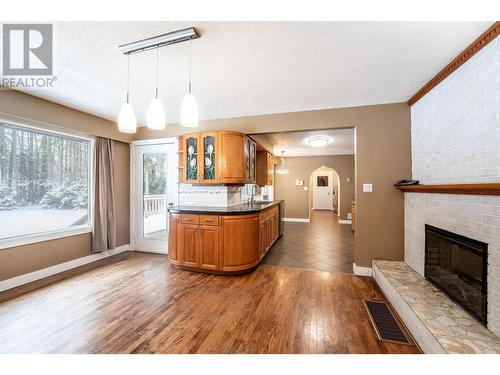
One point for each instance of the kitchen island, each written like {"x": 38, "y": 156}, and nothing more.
{"x": 222, "y": 240}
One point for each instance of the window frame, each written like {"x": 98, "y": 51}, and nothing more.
{"x": 29, "y": 125}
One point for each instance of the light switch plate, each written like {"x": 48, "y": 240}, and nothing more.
{"x": 306, "y": 188}
{"x": 367, "y": 188}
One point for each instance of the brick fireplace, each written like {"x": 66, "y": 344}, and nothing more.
{"x": 456, "y": 140}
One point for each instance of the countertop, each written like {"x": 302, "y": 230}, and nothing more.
{"x": 240, "y": 209}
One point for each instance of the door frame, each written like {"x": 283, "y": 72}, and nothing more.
{"x": 133, "y": 222}
{"x": 330, "y": 185}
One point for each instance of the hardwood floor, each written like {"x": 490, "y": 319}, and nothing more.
{"x": 141, "y": 304}
{"x": 322, "y": 244}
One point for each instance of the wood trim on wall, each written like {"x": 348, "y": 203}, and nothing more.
{"x": 474, "y": 189}
{"x": 485, "y": 38}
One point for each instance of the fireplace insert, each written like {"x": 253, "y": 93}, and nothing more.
{"x": 459, "y": 267}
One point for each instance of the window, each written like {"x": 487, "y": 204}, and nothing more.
{"x": 322, "y": 181}
{"x": 44, "y": 182}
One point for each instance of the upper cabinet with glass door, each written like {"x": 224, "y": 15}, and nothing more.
{"x": 191, "y": 143}
{"x": 210, "y": 152}
{"x": 250, "y": 160}
{"x": 217, "y": 158}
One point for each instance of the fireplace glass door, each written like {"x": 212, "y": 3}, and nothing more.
{"x": 458, "y": 266}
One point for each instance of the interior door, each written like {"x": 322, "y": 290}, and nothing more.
{"x": 155, "y": 188}
{"x": 323, "y": 198}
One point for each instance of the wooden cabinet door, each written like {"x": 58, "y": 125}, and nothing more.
{"x": 191, "y": 158}
{"x": 275, "y": 224}
{"x": 209, "y": 158}
{"x": 232, "y": 161}
{"x": 188, "y": 242}
{"x": 269, "y": 233}
{"x": 246, "y": 153}
{"x": 250, "y": 160}
{"x": 270, "y": 169}
{"x": 262, "y": 239}
{"x": 173, "y": 251}
{"x": 262, "y": 169}
{"x": 209, "y": 246}
{"x": 239, "y": 247}
{"x": 253, "y": 162}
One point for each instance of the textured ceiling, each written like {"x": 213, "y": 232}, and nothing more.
{"x": 251, "y": 68}
{"x": 296, "y": 143}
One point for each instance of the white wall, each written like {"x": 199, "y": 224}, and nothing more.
{"x": 455, "y": 134}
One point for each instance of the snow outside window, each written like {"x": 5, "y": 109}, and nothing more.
{"x": 44, "y": 182}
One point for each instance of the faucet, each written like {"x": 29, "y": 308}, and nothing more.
{"x": 253, "y": 193}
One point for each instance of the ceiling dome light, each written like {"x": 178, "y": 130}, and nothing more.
{"x": 319, "y": 141}
{"x": 190, "y": 115}
{"x": 127, "y": 122}
{"x": 156, "y": 113}
{"x": 282, "y": 169}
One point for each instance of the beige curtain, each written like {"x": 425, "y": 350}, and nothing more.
{"x": 104, "y": 231}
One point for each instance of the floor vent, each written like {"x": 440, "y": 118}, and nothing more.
{"x": 385, "y": 324}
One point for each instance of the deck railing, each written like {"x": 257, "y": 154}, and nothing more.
{"x": 154, "y": 204}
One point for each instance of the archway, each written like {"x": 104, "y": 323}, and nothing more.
{"x": 324, "y": 192}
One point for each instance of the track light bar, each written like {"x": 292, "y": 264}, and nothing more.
{"x": 159, "y": 41}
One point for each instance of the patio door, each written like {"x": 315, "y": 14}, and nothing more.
{"x": 154, "y": 189}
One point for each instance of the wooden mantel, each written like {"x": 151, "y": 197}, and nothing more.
{"x": 473, "y": 189}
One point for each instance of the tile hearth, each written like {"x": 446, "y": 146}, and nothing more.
{"x": 437, "y": 323}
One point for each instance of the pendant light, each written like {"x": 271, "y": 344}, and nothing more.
{"x": 156, "y": 113}
{"x": 282, "y": 169}
{"x": 189, "y": 107}
{"x": 127, "y": 122}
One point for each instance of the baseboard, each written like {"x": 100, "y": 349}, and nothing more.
{"x": 162, "y": 252}
{"x": 345, "y": 221}
{"x": 58, "y": 268}
{"x": 361, "y": 271}
{"x": 296, "y": 220}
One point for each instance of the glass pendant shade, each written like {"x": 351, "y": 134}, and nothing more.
{"x": 156, "y": 115}
{"x": 189, "y": 111}
{"x": 282, "y": 169}
{"x": 127, "y": 122}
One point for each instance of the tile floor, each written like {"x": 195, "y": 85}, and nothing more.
{"x": 322, "y": 245}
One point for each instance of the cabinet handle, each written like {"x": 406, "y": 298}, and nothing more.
{"x": 220, "y": 179}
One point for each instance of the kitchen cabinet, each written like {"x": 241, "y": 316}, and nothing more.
{"x": 208, "y": 246}
{"x": 232, "y": 159}
{"x": 265, "y": 168}
{"x": 239, "y": 242}
{"x": 218, "y": 243}
{"x": 209, "y": 144}
{"x": 190, "y": 154}
{"x": 173, "y": 222}
{"x": 262, "y": 239}
{"x": 216, "y": 158}
{"x": 270, "y": 169}
{"x": 188, "y": 244}
{"x": 250, "y": 160}
{"x": 268, "y": 229}
{"x": 196, "y": 243}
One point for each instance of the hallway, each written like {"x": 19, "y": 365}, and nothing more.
{"x": 322, "y": 245}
